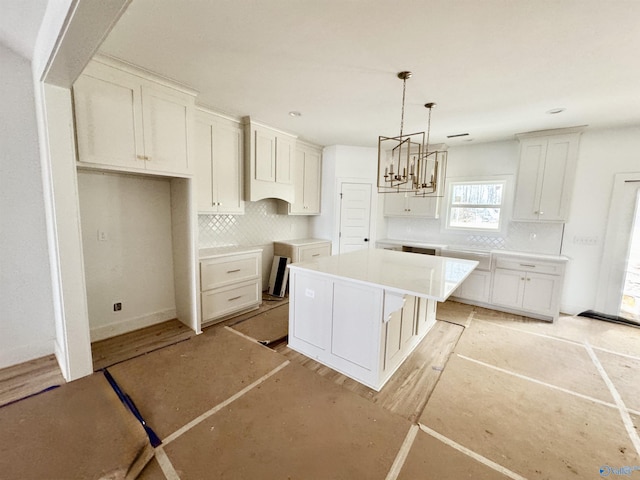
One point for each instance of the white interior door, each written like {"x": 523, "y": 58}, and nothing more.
{"x": 355, "y": 216}
{"x": 616, "y": 249}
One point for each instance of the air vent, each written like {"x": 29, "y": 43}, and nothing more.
{"x": 458, "y": 135}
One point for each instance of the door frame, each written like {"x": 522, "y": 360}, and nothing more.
{"x": 612, "y": 268}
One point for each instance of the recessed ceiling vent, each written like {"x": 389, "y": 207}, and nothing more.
{"x": 458, "y": 135}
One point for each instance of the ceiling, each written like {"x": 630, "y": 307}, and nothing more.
{"x": 494, "y": 67}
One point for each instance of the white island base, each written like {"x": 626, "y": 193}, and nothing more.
{"x": 352, "y": 313}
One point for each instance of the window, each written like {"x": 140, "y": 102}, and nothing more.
{"x": 476, "y": 205}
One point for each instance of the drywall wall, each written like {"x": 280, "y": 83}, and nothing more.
{"x": 603, "y": 154}
{"x": 343, "y": 163}
{"x": 26, "y": 302}
{"x": 475, "y": 161}
{"x": 128, "y": 257}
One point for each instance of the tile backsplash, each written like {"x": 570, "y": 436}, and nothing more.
{"x": 261, "y": 224}
{"x": 545, "y": 238}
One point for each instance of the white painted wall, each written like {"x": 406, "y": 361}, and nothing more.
{"x": 342, "y": 163}
{"x": 134, "y": 264}
{"x": 602, "y": 154}
{"x": 26, "y": 302}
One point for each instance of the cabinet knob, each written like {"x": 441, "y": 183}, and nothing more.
{"x": 522, "y": 278}
{"x": 541, "y": 213}
{"x": 140, "y": 157}
{"x": 366, "y": 239}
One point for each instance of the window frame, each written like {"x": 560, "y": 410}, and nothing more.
{"x": 504, "y": 207}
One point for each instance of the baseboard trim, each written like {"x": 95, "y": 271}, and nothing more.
{"x": 131, "y": 324}
{"x": 15, "y": 356}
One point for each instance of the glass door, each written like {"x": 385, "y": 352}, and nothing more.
{"x": 630, "y": 305}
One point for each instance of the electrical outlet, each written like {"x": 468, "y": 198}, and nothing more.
{"x": 590, "y": 240}
{"x": 117, "y": 307}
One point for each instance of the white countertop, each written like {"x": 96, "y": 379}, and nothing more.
{"x": 298, "y": 242}
{"x": 453, "y": 249}
{"x": 205, "y": 253}
{"x": 390, "y": 241}
{"x": 424, "y": 276}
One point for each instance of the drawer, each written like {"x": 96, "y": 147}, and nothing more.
{"x": 530, "y": 266}
{"x": 226, "y": 300}
{"x": 221, "y": 271}
{"x": 312, "y": 252}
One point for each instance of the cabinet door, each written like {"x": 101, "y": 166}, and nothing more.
{"x": 507, "y": 288}
{"x": 109, "y": 120}
{"x": 395, "y": 205}
{"x": 312, "y": 181}
{"x": 558, "y": 178}
{"x": 227, "y": 167}
{"x": 354, "y": 336}
{"x": 530, "y": 178}
{"x": 540, "y": 293}
{"x": 426, "y": 207}
{"x": 203, "y": 165}
{"x": 167, "y": 118}
{"x": 306, "y": 181}
{"x": 285, "y": 151}
{"x": 264, "y": 155}
{"x": 475, "y": 287}
{"x": 298, "y": 204}
{"x": 399, "y": 331}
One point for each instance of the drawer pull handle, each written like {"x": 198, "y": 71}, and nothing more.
{"x": 234, "y": 298}
{"x": 233, "y": 271}
{"x": 315, "y": 255}
{"x": 527, "y": 265}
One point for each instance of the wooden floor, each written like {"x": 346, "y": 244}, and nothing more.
{"x": 29, "y": 378}
{"x": 32, "y": 377}
{"x": 409, "y": 389}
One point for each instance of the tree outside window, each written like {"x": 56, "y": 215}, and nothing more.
{"x": 476, "y": 205}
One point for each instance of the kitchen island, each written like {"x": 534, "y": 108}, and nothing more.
{"x": 362, "y": 313}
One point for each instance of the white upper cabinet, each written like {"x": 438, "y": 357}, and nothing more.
{"x": 410, "y": 205}
{"x": 218, "y": 158}
{"x": 307, "y": 178}
{"x": 127, "y": 120}
{"x": 546, "y": 175}
{"x": 269, "y": 158}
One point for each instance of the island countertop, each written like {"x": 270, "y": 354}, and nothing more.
{"x": 425, "y": 276}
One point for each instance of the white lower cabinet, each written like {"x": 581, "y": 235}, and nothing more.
{"x": 363, "y": 331}
{"x": 529, "y": 287}
{"x": 302, "y": 250}
{"x": 476, "y": 287}
{"x": 230, "y": 283}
